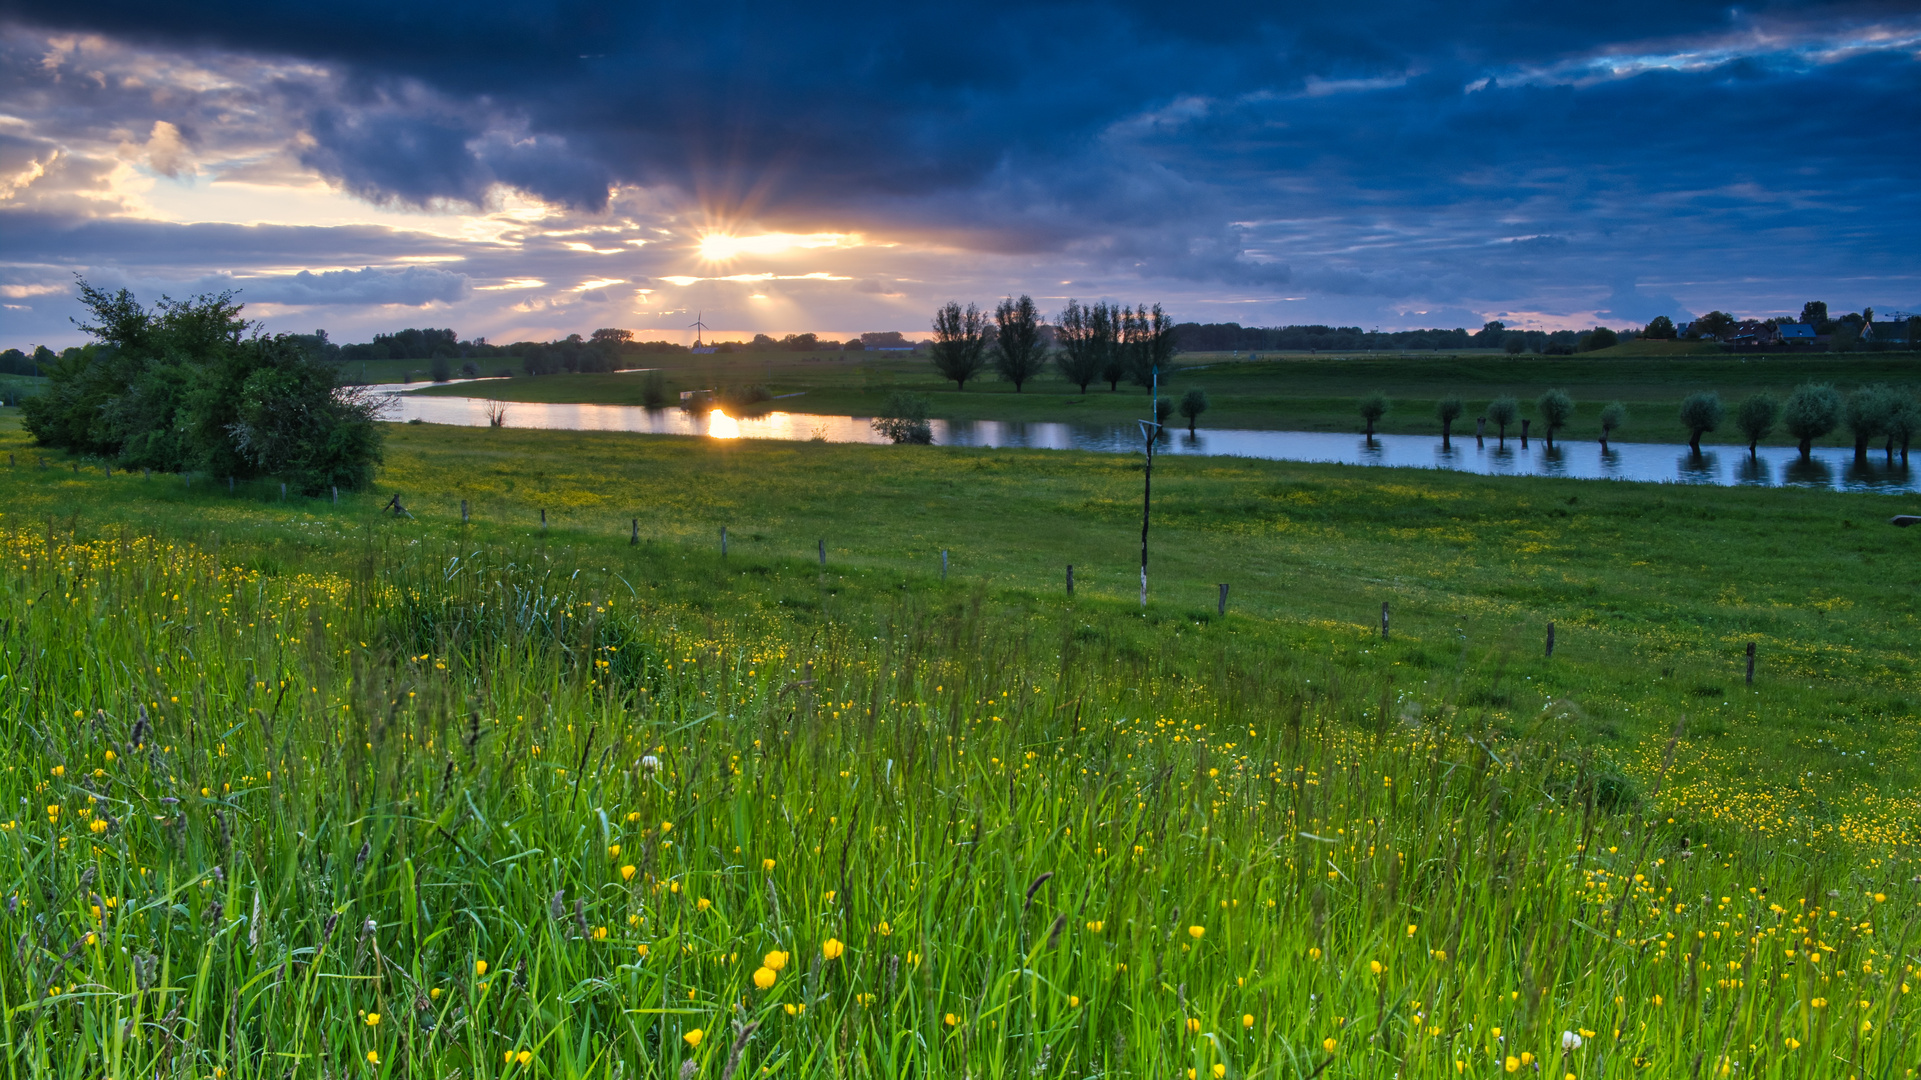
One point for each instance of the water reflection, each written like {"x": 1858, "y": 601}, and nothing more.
{"x": 1827, "y": 467}
{"x": 1699, "y": 468}
{"x": 1754, "y": 471}
{"x": 1808, "y": 472}
{"x": 1868, "y": 473}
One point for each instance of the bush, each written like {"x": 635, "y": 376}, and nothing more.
{"x": 441, "y": 368}
{"x": 654, "y": 393}
{"x": 181, "y": 386}
{"x": 745, "y": 398}
{"x": 904, "y": 419}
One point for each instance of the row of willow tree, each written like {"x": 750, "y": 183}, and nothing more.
{"x": 1812, "y": 411}
{"x": 191, "y": 386}
{"x": 1102, "y": 342}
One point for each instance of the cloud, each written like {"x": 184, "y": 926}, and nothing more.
{"x": 413, "y": 286}
{"x": 1382, "y": 161}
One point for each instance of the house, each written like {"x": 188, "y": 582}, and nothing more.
{"x": 1795, "y": 333}
{"x": 1751, "y": 333}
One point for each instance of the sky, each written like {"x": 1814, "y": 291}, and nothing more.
{"x": 533, "y": 169}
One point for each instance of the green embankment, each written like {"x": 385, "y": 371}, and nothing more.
{"x": 316, "y": 787}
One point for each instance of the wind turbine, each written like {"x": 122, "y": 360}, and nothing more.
{"x": 697, "y": 326}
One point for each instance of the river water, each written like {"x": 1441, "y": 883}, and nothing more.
{"x": 1830, "y": 467}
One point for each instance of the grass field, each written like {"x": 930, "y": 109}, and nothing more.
{"x": 1299, "y": 393}
{"x": 306, "y": 787}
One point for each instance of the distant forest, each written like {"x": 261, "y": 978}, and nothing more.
{"x": 1228, "y": 337}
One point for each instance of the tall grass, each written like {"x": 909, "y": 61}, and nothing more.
{"x": 492, "y": 813}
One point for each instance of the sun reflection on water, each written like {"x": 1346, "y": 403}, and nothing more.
{"x": 722, "y": 426}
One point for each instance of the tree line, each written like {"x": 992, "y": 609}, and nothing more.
{"x": 190, "y": 385}
{"x": 1101, "y": 342}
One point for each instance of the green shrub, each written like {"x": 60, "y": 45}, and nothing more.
{"x": 903, "y": 419}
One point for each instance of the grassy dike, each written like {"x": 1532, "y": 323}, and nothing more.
{"x": 311, "y": 787}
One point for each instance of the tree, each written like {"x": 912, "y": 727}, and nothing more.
{"x": 612, "y": 337}
{"x": 1193, "y": 404}
{"x": 1815, "y": 314}
{"x": 1105, "y": 325}
{"x": 1601, "y": 338}
{"x": 1701, "y": 412}
{"x": 1811, "y": 412}
{"x": 1866, "y": 413}
{"x": 1904, "y": 423}
{"x": 1373, "y": 407}
{"x": 1614, "y": 417}
{"x": 1080, "y": 359}
{"x": 1148, "y": 336}
{"x": 1448, "y": 411}
{"x": 1660, "y": 328}
{"x": 1019, "y": 352}
{"x": 1503, "y": 411}
{"x": 1756, "y": 417}
{"x": 960, "y": 343}
{"x": 1515, "y": 345}
{"x": 1556, "y": 408}
{"x": 1491, "y": 333}
{"x": 1714, "y": 324}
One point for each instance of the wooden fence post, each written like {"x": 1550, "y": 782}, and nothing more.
{"x": 543, "y": 518}
{"x": 1222, "y": 608}
{"x": 1550, "y": 639}
{"x": 723, "y": 541}
{"x": 823, "y": 553}
{"x": 1750, "y": 663}
{"x": 463, "y": 512}
{"x": 633, "y": 538}
{"x": 230, "y": 483}
{"x": 943, "y": 564}
{"x": 336, "y": 490}
{"x": 283, "y": 491}
{"x": 1070, "y": 579}
{"x": 1383, "y": 620}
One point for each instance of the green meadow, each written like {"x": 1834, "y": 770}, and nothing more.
{"x": 321, "y": 789}
{"x": 1291, "y": 392}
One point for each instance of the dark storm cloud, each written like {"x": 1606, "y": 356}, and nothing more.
{"x": 835, "y": 101}
{"x": 1439, "y": 157}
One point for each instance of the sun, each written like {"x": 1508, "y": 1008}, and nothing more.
{"x": 725, "y": 247}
